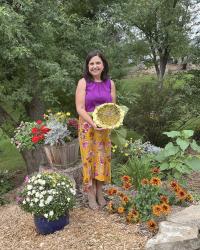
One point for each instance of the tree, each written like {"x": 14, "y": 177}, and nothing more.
{"x": 42, "y": 49}
{"x": 163, "y": 24}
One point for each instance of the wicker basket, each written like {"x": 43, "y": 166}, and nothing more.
{"x": 63, "y": 156}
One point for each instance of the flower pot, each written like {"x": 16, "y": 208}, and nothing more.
{"x": 63, "y": 156}
{"x": 43, "y": 226}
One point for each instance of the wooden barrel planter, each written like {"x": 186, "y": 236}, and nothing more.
{"x": 63, "y": 156}
{"x": 34, "y": 158}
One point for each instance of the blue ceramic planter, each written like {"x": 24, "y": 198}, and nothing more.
{"x": 43, "y": 226}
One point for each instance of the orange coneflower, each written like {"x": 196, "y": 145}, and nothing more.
{"x": 144, "y": 181}
{"x": 155, "y": 181}
{"x": 120, "y": 194}
{"x": 189, "y": 198}
{"x": 155, "y": 170}
{"x": 128, "y": 218}
{"x": 125, "y": 199}
{"x": 110, "y": 206}
{"x": 152, "y": 224}
{"x": 182, "y": 195}
{"x": 120, "y": 210}
{"x": 165, "y": 208}
{"x": 127, "y": 185}
{"x": 157, "y": 210}
{"x": 174, "y": 184}
{"x": 135, "y": 213}
{"x": 126, "y": 178}
{"x": 164, "y": 199}
{"x": 112, "y": 191}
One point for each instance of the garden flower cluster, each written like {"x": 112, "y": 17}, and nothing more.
{"x": 150, "y": 202}
{"x": 47, "y": 194}
{"x": 56, "y": 128}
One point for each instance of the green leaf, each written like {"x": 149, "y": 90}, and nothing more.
{"x": 118, "y": 136}
{"x": 170, "y": 149}
{"x": 187, "y": 133}
{"x": 193, "y": 163}
{"x": 160, "y": 156}
{"x": 182, "y": 143}
{"x": 164, "y": 166}
{"x": 172, "y": 134}
{"x": 194, "y": 146}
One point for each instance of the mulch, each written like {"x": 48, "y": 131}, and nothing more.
{"x": 87, "y": 230}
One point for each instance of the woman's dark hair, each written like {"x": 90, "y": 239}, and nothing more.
{"x": 104, "y": 74}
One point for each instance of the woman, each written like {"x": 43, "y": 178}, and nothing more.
{"x": 94, "y": 89}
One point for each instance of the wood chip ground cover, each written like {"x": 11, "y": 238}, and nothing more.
{"x": 87, "y": 230}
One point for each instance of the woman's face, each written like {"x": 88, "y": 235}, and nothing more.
{"x": 95, "y": 66}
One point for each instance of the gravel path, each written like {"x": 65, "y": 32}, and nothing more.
{"x": 87, "y": 230}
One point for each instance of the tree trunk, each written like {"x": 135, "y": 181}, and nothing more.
{"x": 6, "y": 118}
{"x": 36, "y": 108}
{"x": 163, "y": 63}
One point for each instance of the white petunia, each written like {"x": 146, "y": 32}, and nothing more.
{"x": 46, "y": 215}
{"x": 41, "y": 204}
{"x": 62, "y": 183}
{"x": 31, "y": 204}
{"x": 37, "y": 195}
{"x": 41, "y": 188}
{"x": 36, "y": 199}
{"x": 51, "y": 213}
{"x": 68, "y": 199}
{"x": 73, "y": 191}
{"x": 29, "y": 187}
{"x": 29, "y": 192}
{"x": 49, "y": 199}
{"x": 27, "y": 199}
{"x": 24, "y": 202}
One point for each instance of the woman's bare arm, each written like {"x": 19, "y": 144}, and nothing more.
{"x": 113, "y": 92}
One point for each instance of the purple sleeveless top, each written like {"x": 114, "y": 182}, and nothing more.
{"x": 97, "y": 93}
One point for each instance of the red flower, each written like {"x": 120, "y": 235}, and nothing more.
{"x": 35, "y": 139}
{"x": 44, "y": 129}
{"x": 34, "y": 130}
{"x": 39, "y": 122}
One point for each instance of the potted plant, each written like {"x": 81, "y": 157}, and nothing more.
{"x": 48, "y": 196}
{"x": 31, "y": 151}
{"x": 61, "y": 142}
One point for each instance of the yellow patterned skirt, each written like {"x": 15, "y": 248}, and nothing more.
{"x": 95, "y": 148}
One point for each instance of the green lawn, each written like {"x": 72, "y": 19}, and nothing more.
{"x": 10, "y": 158}
{"x": 132, "y": 84}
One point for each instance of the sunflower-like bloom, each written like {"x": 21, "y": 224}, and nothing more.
{"x": 144, "y": 181}
{"x": 155, "y": 181}
{"x": 157, "y": 210}
{"x": 164, "y": 199}
{"x": 182, "y": 195}
{"x": 126, "y": 178}
{"x": 120, "y": 210}
{"x": 112, "y": 191}
{"x": 166, "y": 208}
{"x": 152, "y": 224}
{"x": 109, "y": 115}
{"x": 174, "y": 184}
{"x": 189, "y": 198}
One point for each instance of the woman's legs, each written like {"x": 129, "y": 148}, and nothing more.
{"x": 99, "y": 194}
{"x": 92, "y": 192}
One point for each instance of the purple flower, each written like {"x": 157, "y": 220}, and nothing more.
{"x": 26, "y": 179}
{"x": 18, "y": 199}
